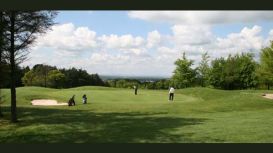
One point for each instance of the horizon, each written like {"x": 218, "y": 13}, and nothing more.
{"x": 146, "y": 43}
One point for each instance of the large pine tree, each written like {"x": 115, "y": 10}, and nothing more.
{"x": 20, "y": 32}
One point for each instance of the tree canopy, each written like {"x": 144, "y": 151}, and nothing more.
{"x": 183, "y": 75}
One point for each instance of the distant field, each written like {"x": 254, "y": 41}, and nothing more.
{"x": 117, "y": 115}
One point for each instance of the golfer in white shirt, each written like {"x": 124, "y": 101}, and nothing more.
{"x": 171, "y": 94}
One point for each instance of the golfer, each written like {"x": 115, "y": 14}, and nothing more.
{"x": 71, "y": 101}
{"x": 171, "y": 93}
{"x": 135, "y": 87}
{"x": 84, "y": 99}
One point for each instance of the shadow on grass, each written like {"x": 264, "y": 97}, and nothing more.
{"x": 49, "y": 125}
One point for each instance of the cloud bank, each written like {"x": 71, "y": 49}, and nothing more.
{"x": 69, "y": 46}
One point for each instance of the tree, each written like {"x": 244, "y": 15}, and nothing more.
{"x": 216, "y": 75}
{"x": 21, "y": 31}
{"x": 247, "y": 71}
{"x": 1, "y": 44}
{"x": 204, "y": 70}
{"x": 111, "y": 83}
{"x": 266, "y": 67}
{"x": 56, "y": 78}
{"x": 28, "y": 79}
{"x": 235, "y": 72}
{"x": 78, "y": 77}
{"x": 96, "y": 80}
{"x": 183, "y": 75}
{"x": 41, "y": 74}
{"x": 264, "y": 77}
{"x": 3, "y": 65}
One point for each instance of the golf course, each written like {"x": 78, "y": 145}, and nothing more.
{"x": 116, "y": 115}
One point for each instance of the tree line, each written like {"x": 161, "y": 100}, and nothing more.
{"x": 239, "y": 71}
{"x": 129, "y": 83}
{"x": 49, "y": 76}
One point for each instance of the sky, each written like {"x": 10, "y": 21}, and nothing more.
{"x": 147, "y": 43}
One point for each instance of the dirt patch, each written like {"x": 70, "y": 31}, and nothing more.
{"x": 46, "y": 102}
{"x": 269, "y": 96}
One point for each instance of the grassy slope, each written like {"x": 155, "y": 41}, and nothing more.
{"x": 117, "y": 115}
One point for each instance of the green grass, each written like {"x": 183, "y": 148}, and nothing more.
{"x": 117, "y": 115}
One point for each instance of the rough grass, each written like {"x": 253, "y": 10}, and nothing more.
{"x": 117, "y": 115}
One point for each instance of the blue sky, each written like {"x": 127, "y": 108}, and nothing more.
{"x": 146, "y": 43}
{"x": 118, "y": 22}
{"x": 111, "y": 22}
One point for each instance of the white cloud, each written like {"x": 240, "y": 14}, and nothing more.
{"x": 126, "y": 44}
{"x": 108, "y": 59}
{"x": 247, "y": 39}
{"x": 153, "y": 39}
{"x": 195, "y": 40}
{"x": 124, "y": 41}
{"x": 68, "y": 37}
{"x": 71, "y": 46}
{"x": 135, "y": 51}
{"x": 192, "y": 35}
{"x": 202, "y": 17}
{"x": 165, "y": 50}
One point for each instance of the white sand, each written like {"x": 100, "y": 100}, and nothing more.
{"x": 269, "y": 96}
{"x": 46, "y": 102}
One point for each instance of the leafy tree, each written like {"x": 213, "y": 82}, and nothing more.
{"x": 111, "y": 83}
{"x": 162, "y": 84}
{"x": 183, "y": 75}
{"x": 78, "y": 77}
{"x": 56, "y": 78}
{"x": 204, "y": 70}
{"x": 41, "y": 73}
{"x": 216, "y": 75}
{"x": 247, "y": 68}
{"x": 235, "y": 72}
{"x": 66, "y": 78}
{"x": 19, "y": 33}
{"x": 29, "y": 77}
{"x": 264, "y": 77}
{"x": 126, "y": 83}
{"x": 265, "y": 71}
{"x": 151, "y": 85}
{"x": 96, "y": 80}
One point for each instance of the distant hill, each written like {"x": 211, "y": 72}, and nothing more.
{"x": 140, "y": 78}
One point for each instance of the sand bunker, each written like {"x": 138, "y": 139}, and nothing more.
{"x": 269, "y": 96}
{"x": 46, "y": 102}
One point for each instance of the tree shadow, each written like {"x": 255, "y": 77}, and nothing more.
{"x": 50, "y": 125}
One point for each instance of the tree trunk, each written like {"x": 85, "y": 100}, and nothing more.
{"x": 268, "y": 86}
{"x": 12, "y": 68}
{"x": 1, "y": 43}
{"x": 45, "y": 77}
{"x": 1, "y": 114}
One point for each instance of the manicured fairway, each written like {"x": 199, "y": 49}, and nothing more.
{"x": 117, "y": 115}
